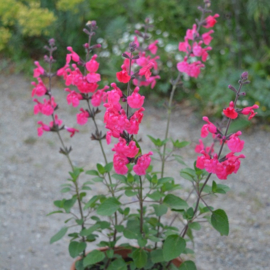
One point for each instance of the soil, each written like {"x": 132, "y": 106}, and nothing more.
{"x": 32, "y": 170}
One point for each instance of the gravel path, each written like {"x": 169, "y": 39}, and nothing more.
{"x": 31, "y": 171}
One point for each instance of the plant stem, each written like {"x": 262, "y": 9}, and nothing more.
{"x": 169, "y": 111}
{"x": 141, "y": 205}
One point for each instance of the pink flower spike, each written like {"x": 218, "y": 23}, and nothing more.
{"x": 39, "y": 70}
{"x": 199, "y": 147}
{"x": 230, "y": 111}
{"x": 250, "y": 111}
{"x": 56, "y": 121}
{"x": 135, "y": 100}
{"x": 71, "y": 130}
{"x": 153, "y": 47}
{"x": 74, "y": 56}
{"x": 210, "y": 21}
{"x": 146, "y": 70}
{"x": 184, "y": 46}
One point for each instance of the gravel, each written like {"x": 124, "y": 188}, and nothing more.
{"x": 32, "y": 170}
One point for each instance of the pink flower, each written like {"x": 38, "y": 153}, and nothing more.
{"x": 74, "y": 56}
{"x": 146, "y": 70}
{"x": 230, "y": 111}
{"x": 192, "y": 70}
{"x": 249, "y": 111}
{"x": 93, "y": 77}
{"x": 92, "y": 65}
{"x": 184, "y": 46}
{"x": 73, "y": 98}
{"x": 234, "y": 143}
{"x": 39, "y": 70}
{"x": 122, "y": 75}
{"x": 56, "y": 121}
{"x": 130, "y": 150}
{"x": 210, "y": 21}
{"x": 142, "y": 164}
{"x": 150, "y": 81}
{"x": 197, "y": 49}
{"x": 192, "y": 33}
{"x": 119, "y": 164}
{"x": 209, "y": 127}
{"x": 108, "y": 137}
{"x": 42, "y": 128}
{"x": 85, "y": 87}
{"x": 99, "y": 96}
{"x": 153, "y": 47}
{"x": 207, "y": 38}
{"x": 46, "y": 108}
{"x": 71, "y": 130}
{"x": 135, "y": 100}
{"x": 82, "y": 117}
{"x": 39, "y": 89}
{"x": 204, "y": 54}
{"x": 200, "y": 147}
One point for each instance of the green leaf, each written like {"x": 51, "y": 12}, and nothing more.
{"x": 188, "y": 265}
{"x": 140, "y": 258}
{"x": 91, "y": 202}
{"x": 69, "y": 203}
{"x": 188, "y": 174}
{"x": 164, "y": 180}
{"x": 54, "y": 212}
{"x": 64, "y": 190}
{"x": 119, "y": 228}
{"x": 100, "y": 168}
{"x": 98, "y": 179}
{"x": 206, "y": 189}
{"x": 178, "y": 144}
{"x": 175, "y": 202}
{"x": 89, "y": 231}
{"x": 108, "y": 167}
{"x": 75, "y": 248}
{"x": 79, "y": 265}
{"x": 59, "y": 235}
{"x": 156, "y": 196}
{"x": 118, "y": 264}
{"x": 130, "y": 193}
{"x": 195, "y": 226}
{"x": 214, "y": 187}
{"x": 93, "y": 257}
{"x": 120, "y": 177}
{"x": 132, "y": 230}
{"x": 92, "y": 172}
{"x": 173, "y": 246}
{"x": 141, "y": 242}
{"x": 219, "y": 221}
{"x": 157, "y": 256}
{"x": 108, "y": 207}
{"x": 160, "y": 209}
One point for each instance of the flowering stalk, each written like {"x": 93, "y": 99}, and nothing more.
{"x": 54, "y": 126}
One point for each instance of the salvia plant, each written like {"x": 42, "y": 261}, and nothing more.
{"x": 158, "y": 241}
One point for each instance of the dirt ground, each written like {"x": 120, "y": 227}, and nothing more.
{"x": 31, "y": 171}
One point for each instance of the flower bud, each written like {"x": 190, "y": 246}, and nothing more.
{"x": 138, "y": 33}
{"x": 52, "y": 42}
{"x": 86, "y": 45}
{"x": 132, "y": 46}
{"x": 242, "y": 94}
{"x": 232, "y": 88}
{"x": 244, "y": 75}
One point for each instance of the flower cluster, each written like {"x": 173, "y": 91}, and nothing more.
{"x": 195, "y": 49}
{"x": 48, "y": 106}
{"x": 211, "y": 161}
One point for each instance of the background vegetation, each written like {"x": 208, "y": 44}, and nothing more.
{"x": 241, "y": 41}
